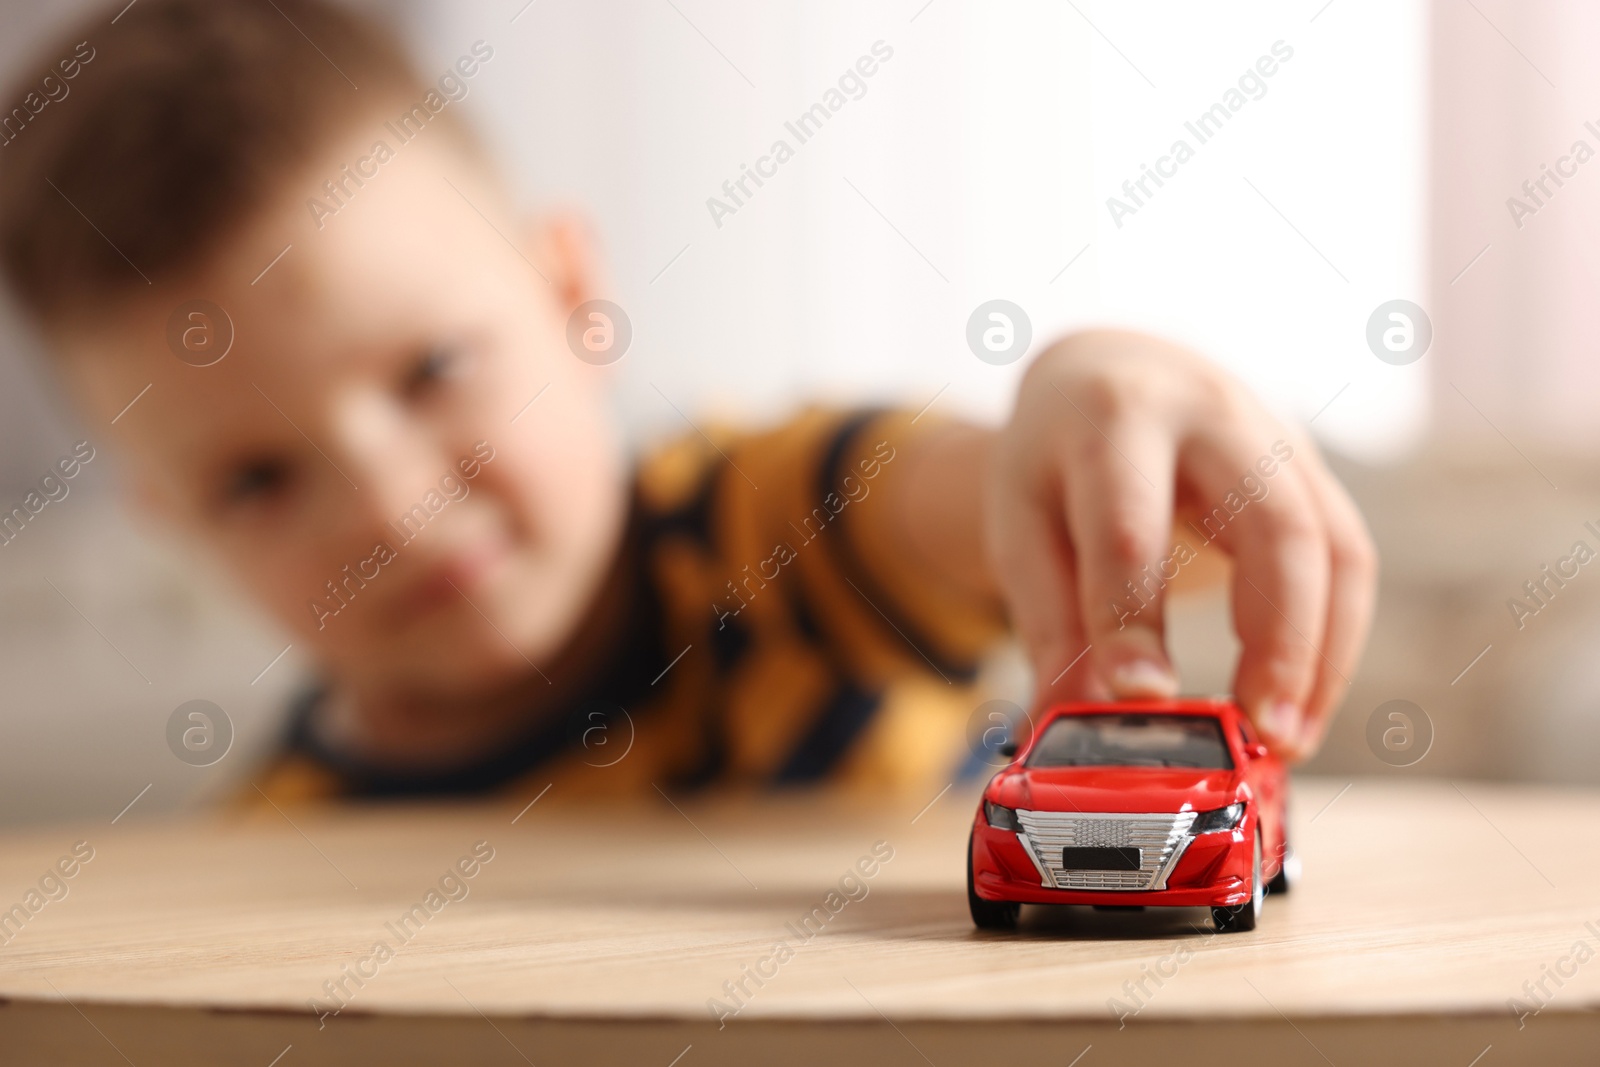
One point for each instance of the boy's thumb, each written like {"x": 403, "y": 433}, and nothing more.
{"x": 1133, "y": 663}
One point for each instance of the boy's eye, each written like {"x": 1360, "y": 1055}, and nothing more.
{"x": 256, "y": 480}
{"x": 435, "y": 366}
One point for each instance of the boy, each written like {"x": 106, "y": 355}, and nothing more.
{"x": 256, "y": 220}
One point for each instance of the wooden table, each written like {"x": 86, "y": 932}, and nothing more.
{"x": 599, "y": 936}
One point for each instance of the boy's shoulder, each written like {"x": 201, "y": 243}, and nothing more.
{"x": 671, "y": 473}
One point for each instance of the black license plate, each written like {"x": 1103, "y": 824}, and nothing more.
{"x": 1101, "y": 859}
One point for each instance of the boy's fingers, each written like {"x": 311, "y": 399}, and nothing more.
{"x": 1119, "y": 510}
{"x": 1032, "y": 559}
{"x": 1086, "y": 563}
{"x": 1280, "y": 596}
{"x": 1353, "y": 570}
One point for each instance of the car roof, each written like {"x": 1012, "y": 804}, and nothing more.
{"x": 1216, "y": 707}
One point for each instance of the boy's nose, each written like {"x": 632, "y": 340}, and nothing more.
{"x": 393, "y": 462}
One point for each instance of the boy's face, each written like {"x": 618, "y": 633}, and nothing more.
{"x": 360, "y": 429}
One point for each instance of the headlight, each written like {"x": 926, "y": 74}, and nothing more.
{"x": 1208, "y": 822}
{"x": 1000, "y": 818}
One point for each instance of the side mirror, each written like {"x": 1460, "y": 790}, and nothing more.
{"x": 1008, "y": 750}
{"x": 1256, "y": 750}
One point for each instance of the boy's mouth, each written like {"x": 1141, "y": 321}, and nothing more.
{"x": 456, "y": 574}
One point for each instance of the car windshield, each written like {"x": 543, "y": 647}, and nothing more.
{"x": 1132, "y": 740}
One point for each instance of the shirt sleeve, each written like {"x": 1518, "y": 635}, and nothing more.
{"x": 949, "y": 626}
{"x": 816, "y": 489}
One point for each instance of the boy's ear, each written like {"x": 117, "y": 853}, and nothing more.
{"x": 564, "y": 246}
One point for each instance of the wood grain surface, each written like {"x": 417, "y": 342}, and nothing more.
{"x": 603, "y": 935}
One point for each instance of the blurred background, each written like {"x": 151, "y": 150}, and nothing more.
{"x": 1374, "y": 164}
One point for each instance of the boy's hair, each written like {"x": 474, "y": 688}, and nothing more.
{"x": 184, "y": 118}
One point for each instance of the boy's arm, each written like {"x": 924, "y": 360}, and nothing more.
{"x": 1114, "y": 435}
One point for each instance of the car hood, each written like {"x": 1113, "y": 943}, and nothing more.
{"x": 1119, "y": 789}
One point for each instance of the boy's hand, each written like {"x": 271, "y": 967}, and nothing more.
{"x": 1113, "y": 434}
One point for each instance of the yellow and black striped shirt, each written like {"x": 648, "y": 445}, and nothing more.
{"x": 779, "y": 637}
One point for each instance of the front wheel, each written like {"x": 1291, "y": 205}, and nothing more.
{"x": 1242, "y": 917}
{"x": 989, "y": 914}
{"x": 1288, "y": 873}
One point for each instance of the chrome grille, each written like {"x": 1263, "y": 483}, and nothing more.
{"x": 1105, "y": 833}
{"x": 1160, "y": 839}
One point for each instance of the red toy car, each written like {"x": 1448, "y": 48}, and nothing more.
{"x": 1159, "y": 802}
